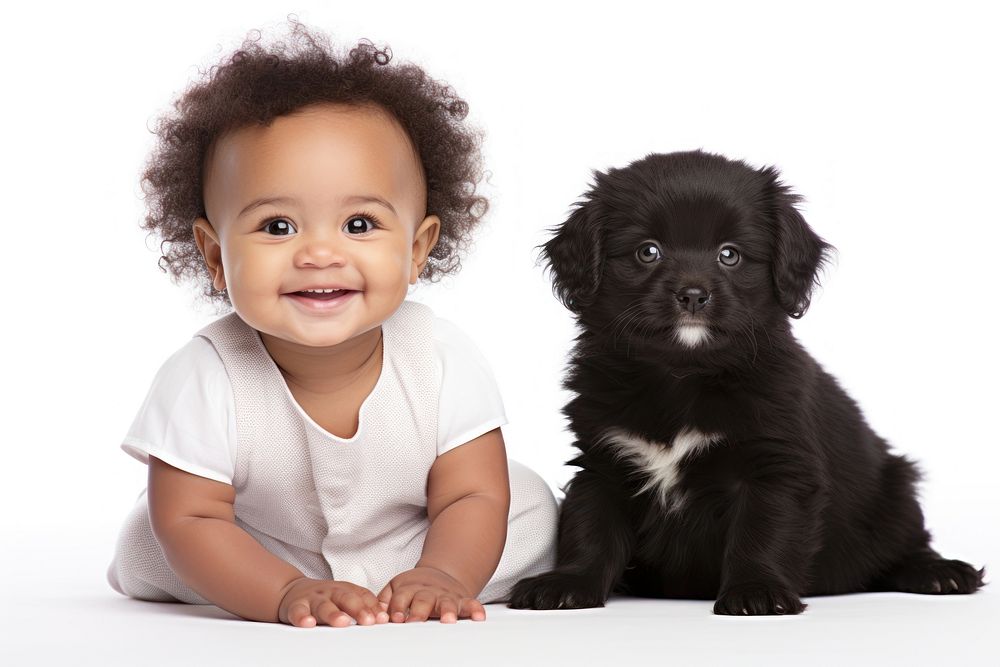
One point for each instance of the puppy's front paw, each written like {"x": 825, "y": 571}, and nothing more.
{"x": 758, "y": 600}
{"x": 556, "y": 590}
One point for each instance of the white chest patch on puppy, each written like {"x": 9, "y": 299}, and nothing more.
{"x": 659, "y": 462}
{"x": 691, "y": 335}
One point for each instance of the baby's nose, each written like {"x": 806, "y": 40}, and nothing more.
{"x": 321, "y": 251}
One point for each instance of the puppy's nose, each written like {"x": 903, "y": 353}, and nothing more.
{"x": 693, "y": 298}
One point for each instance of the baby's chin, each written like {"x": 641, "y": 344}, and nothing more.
{"x": 326, "y": 335}
{"x": 304, "y": 331}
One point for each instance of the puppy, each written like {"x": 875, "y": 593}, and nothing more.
{"x": 718, "y": 459}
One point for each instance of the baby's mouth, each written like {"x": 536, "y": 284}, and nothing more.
{"x": 323, "y": 294}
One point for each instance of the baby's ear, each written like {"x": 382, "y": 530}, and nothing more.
{"x": 208, "y": 243}
{"x": 424, "y": 240}
{"x": 575, "y": 255}
{"x": 799, "y": 253}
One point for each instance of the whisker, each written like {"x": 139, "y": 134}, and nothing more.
{"x": 620, "y": 324}
{"x": 622, "y": 314}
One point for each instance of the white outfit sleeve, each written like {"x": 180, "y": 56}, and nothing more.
{"x": 470, "y": 403}
{"x": 189, "y": 416}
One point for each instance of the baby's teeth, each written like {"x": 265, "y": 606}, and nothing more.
{"x": 322, "y": 291}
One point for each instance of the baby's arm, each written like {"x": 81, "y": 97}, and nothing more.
{"x": 468, "y": 500}
{"x": 193, "y": 520}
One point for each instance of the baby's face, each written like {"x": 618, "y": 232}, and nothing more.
{"x": 330, "y": 197}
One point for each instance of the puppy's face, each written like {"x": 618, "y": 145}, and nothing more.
{"x": 685, "y": 251}
{"x": 691, "y": 270}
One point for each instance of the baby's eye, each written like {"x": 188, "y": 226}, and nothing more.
{"x": 279, "y": 227}
{"x": 358, "y": 225}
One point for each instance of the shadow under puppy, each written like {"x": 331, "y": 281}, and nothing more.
{"x": 719, "y": 460}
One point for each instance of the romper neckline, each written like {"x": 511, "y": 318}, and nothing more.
{"x": 309, "y": 421}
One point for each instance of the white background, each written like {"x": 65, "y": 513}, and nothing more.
{"x": 883, "y": 115}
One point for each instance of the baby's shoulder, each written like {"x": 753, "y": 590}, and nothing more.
{"x": 447, "y": 332}
{"x": 447, "y": 338}
{"x": 451, "y": 340}
{"x": 196, "y": 361}
{"x": 456, "y": 352}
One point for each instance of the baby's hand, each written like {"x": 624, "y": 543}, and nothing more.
{"x": 427, "y": 592}
{"x": 308, "y": 602}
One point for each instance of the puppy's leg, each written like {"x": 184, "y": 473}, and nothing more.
{"x": 900, "y": 526}
{"x": 928, "y": 573}
{"x": 594, "y": 546}
{"x": 771, "y": 538}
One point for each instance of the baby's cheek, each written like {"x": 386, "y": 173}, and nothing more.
{"x": 397, "y": 273}
{"x": 396, "y": 293}
{"x": 252, "y": 299}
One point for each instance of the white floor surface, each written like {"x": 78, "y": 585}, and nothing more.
{"x": 55, "y": 615}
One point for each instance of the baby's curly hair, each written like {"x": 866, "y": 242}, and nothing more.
{"x": 256, "y": 84}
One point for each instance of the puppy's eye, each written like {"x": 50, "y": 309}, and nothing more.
{"x": 729, "y": 256}
{"x": 648, "y": 253}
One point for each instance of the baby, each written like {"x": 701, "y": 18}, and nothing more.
{"x": 327, "y": 453}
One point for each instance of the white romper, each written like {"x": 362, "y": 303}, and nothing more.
{"x": 346, "y": 509}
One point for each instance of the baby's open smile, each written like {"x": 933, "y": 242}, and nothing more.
{"x": 322, "y": 300}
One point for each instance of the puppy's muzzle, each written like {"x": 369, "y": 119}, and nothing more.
{"x": 693, "y": 299}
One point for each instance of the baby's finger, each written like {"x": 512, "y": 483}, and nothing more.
{"x": 332, "y": 615}
{"x": 374, "y": 606}
{"x": 385, "y": 595}
{"x": 422, "y": 606}
{"x": 300, "y": 615}
{"x": 399, "y": 605}
{"x": 352, "y": 603}
{"x": 472, "y": 608}
{"x": 448, "y": 609}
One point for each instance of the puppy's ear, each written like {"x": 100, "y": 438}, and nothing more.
{"x": 799, "y": 253}
{"x": 575, "y": 257}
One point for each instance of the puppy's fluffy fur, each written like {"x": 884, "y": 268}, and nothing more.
{"x": 719, "y": 460}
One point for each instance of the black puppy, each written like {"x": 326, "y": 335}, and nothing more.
{"x": 719, "y": 460}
